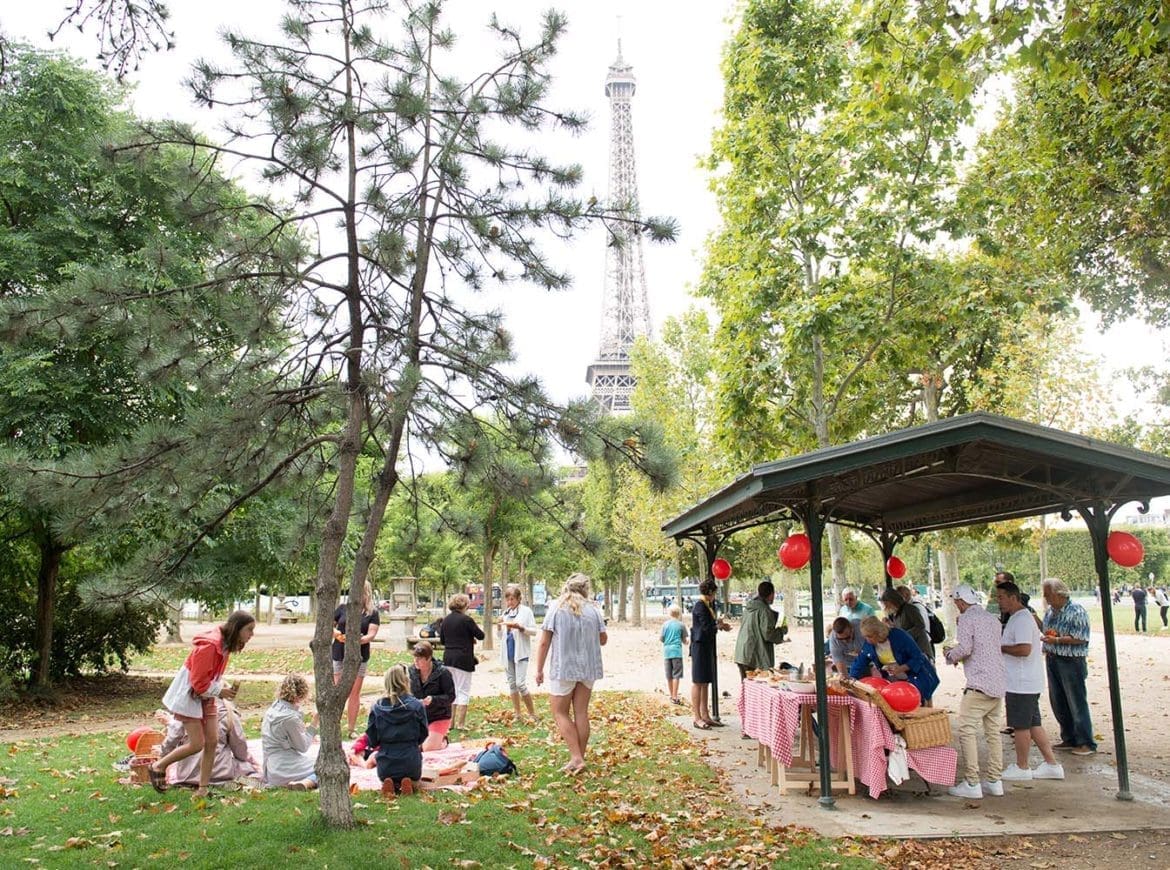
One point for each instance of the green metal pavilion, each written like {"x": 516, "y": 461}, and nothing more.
{"x": 975, "y": 468}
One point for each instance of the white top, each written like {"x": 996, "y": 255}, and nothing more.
{"x": 576, "y": 643}
{"x": 522, "y": 636}
{"x": 1161, "y": 598}
{"x": 1025, "y": 675}
{"x": 285, "y": 742}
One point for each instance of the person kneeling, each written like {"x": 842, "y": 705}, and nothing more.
{"x": 398, "y": 727}
{"x": 231, "y": 750}
{"x": 286, "y": 740}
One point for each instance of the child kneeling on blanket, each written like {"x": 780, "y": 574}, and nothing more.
{"x": 398, "y": 727}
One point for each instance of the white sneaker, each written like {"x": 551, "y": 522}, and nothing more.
{"x": 966, "y": 790}
{"x": 1044, "y": 770}
{"x": 995, "y": 789}
{"x": 1015, "y": 773}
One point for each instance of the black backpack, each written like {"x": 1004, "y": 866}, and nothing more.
{"x": 938, "y": 631}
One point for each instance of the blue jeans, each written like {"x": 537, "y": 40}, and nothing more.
{"x": 1070, "y": 700}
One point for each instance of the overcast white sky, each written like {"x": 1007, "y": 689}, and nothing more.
{"x": 675, "y": 51}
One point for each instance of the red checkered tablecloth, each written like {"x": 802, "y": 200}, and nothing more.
{"x": 772, "y": 716}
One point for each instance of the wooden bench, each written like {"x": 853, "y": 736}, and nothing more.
{"x": 414, "y": 639}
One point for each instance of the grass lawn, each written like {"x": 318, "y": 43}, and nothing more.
{"x": 83, "y": 701}
{"x": 168, "y": 659}
{"x": 647, "y": 799}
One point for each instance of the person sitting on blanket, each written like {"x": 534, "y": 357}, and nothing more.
{"x": 361, "y": 754}
{"x": 231, "y": 749}
{"x": 398, "y": 727}
{"x": 893, "y": 654}
{"x": 285, "y": 739}
{"x": 434, "y": 687}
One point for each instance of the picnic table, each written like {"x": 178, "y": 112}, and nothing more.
{"x": 859, "y": 736}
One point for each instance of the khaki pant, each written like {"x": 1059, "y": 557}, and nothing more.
{"x": 979, "y": 712}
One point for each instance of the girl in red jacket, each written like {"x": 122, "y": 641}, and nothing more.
{"x": 193, "y": 691}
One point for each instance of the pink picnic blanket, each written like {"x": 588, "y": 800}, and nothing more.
{"x": 366, "y": 778}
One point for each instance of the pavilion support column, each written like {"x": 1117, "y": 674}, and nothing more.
{"x": 887, "y": 542}
{"x": 1097, "y": 519}
{"x": 814, "y": 526}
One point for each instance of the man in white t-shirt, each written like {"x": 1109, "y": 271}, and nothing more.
{"x": 1024, "y": 662}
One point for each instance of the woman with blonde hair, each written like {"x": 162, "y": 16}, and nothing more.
{"x": 285, "y": 740}
{"x": 574, "y": 633}
{"x": 369, "y": 630}
{"x": 892, "y": 653}
{"x": 398, "y": 727}
{"x": 458, "y": 634}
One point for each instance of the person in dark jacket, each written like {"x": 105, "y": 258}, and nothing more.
{"x": 704, "y": 625}
{"x": 458, "y": 634}
{"x": 902, "y": 614}
{"x": 431, "y": 683}
{"x": 398, "y": 727}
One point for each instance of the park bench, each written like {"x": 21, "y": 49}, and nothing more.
{"x": 804, "y": 614}
{"x": 414, "y": 639}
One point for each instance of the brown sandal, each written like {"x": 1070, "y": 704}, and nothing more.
{"x": 158, "y": 778}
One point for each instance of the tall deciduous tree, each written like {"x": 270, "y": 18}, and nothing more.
{"x": 833, "y": 166}
{"x": 99, "y": 346}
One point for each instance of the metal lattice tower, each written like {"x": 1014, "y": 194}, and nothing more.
{"x": 625, "y": 307}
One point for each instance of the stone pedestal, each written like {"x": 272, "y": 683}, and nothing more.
{"x": 399, "y": 622}
{"x": 396, "y": 628}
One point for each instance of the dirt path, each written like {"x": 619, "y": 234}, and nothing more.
{"x": 633, "y": 662}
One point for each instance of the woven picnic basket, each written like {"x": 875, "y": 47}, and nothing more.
{"x": 923, "y": 728}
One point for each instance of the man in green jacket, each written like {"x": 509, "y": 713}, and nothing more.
{"x": 758, "y": 632}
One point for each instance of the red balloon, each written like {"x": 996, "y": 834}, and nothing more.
{"x": 895, "y": 567}
{"x": 1124, "y": 549}
{"x": 133, "y": 737}
{"x": 878, "y": 683}
{"x": 795, "y": 551}
{"x": 721, "y": 568}
{"x": 902, "y": 696}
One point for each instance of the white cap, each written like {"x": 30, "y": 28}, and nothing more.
{"x": 963, "y": 592}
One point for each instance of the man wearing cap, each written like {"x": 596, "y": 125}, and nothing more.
{"x": 977, "y": 646}
{"x": 1066, "y": 652}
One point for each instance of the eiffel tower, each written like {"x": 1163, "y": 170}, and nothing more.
{"x": 625, "y": 309}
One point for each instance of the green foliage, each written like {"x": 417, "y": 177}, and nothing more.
{"x": 1076, "y": 175}
{"x": 1070, "y": 557}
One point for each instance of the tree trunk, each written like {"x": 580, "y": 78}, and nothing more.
{"x": 173, "y": 623}
{"x": 1043, "y": 548}
{"x": 638, "y": 585}
{"x": 623, "y": 583}
{"x": 47, "y": 574}
{"x": 948, "y": 576}
{"x": 489, "y": 558}
{"x": 608, "y": 599}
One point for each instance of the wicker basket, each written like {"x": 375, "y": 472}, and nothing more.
{"x": 924, "y": 728}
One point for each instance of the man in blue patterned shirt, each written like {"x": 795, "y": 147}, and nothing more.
{"x": 1066, "y": 649}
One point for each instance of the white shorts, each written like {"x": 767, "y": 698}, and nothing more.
{"x": 565, "y": 687}
{"x": 462, "y": 680}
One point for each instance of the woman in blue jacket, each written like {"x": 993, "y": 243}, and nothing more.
{"x": 896, "y": 655}
{"x": 398, "y": 727}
